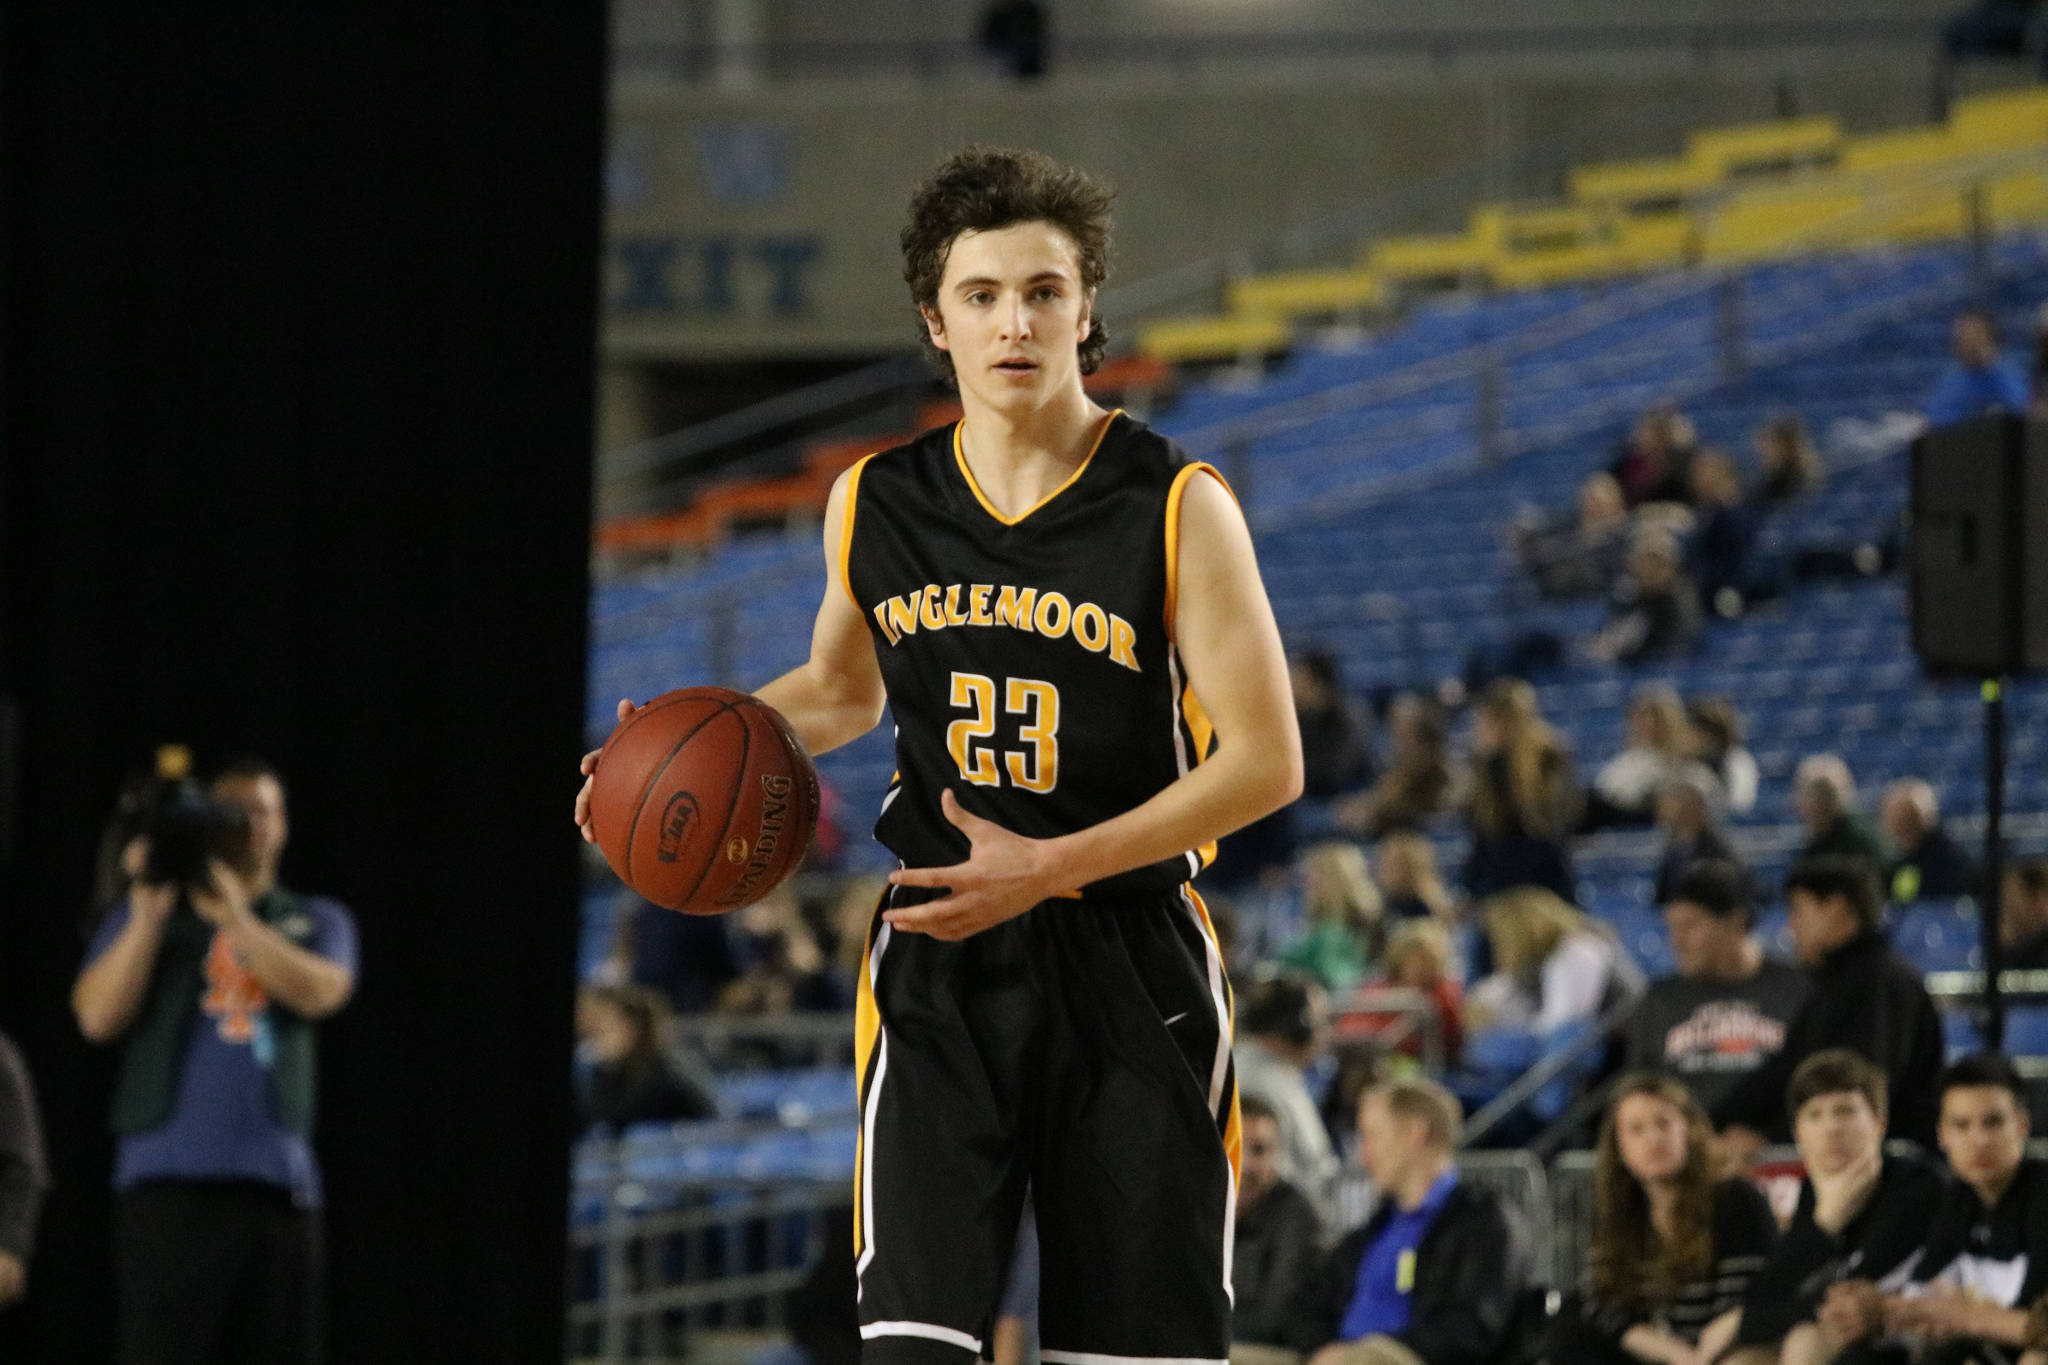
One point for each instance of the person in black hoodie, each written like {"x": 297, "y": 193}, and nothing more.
{"x": 1434, "y": 1275}
{"x": 1861, "y": 1215}
{"x": 1866, "y": 998}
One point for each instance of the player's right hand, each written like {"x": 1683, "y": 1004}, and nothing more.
{"x": 589, "y": 770}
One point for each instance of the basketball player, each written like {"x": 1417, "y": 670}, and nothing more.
{"x": 1064, "y": 614}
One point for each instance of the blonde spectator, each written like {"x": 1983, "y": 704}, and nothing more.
{"x": 1525, "y": 796}
{"x": 1342, "y": 910}
{"x": 1553, "y": 965}
{"x": 1656, "y": 755}
{"x": 1421, "y": 957}
{"x": 1409, "y": 881}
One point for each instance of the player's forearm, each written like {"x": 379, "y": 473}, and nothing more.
{"x": 1229, "y": 791}
{"x": 108, "y": 993}
{"x": 824, "y": 714}
{"x": 304, "y": 982}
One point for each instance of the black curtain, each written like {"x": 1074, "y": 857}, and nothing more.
{"x": 296, "y": 330}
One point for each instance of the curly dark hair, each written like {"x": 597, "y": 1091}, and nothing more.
{"x": 981, "y": 188}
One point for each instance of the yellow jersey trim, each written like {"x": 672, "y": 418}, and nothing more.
{"x": 846, "y": 530}
{"x": 960, "y": 457}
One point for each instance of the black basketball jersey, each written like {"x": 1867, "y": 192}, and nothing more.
{"x": 1029, "y": 662}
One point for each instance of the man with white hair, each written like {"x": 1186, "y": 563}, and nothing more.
{"x": 1927, "y": 863}
{"x": 1824, "y": 795}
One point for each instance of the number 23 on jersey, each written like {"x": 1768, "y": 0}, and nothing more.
{"x": 1035, "y": 768}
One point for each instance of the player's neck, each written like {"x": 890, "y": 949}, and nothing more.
{"x": 1020, "y": 458}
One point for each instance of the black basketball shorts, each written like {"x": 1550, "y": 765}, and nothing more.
{"x": 1082, "y": 1048}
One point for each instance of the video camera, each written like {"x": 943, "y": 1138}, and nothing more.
{"x": 186, "y": 828}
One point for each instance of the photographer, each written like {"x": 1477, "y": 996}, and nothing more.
{"x": 211, "y": 976}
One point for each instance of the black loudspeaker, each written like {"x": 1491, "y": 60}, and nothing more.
{"x": 1979, "y": 561}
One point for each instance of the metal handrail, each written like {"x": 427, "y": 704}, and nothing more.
{"x": 1546, "y": 1069}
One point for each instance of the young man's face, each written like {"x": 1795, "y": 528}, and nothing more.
{"x": 262, "y": 800}
{"x": 1983, "y": 1132}
{"x": 1835, "y": 1129}
{"x": 1012, "y": 314}
{"x": 1701, "y": 941}
{"x": 1819, "y": 925}
{"x": 1389, "y": 1144}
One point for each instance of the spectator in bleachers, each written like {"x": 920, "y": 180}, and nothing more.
{"x": 1926, "y": 864}
{"x": 1984, "y": 1257}
{"x": 24, "y": 1174}
{"x": 1582, "y": 553}
{"x": 1655, "y": 612}
{"x": 1979, "y": 380}
{"x": 1343, "y": 914}
{"x": 1420, "y": 957}
{"x": 1824, "y": 796}
{"x": 1726, "y": 1012}
{"x": 1433, "y": 1277}
{"x": 1410, "y": 885}
{"x": 1861, "y": 1212}
{"x": 1625, "y": 790}
{"x": 688, "y": 958}
{"x": 1283, "y": 1026}
{"x": 632, "y": 1074}
{"x": 785, "y": 968}
{"x": 1554, "y": 966}
{"x": 1416, "y": 787}
{"x": 1336, "y": 730}
{"x": 1652, "y": 466}
{"x": 1525, "y": 796}
{"x": 1279, "y": 1236}
{"x": 1724, "y": 561}
{"x": 1865, "y": 998}
{"x": 1787, "y": 463}
{"x": 1685, "y": 813}
{"x": 1673, "y": 1250}
{"x": 2023, "y": 916}
{"x": 1716, "y": 739}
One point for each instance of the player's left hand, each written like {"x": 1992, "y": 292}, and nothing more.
{"x": 1005, "y": 874}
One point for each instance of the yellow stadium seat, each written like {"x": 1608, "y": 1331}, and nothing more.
{"x": 1428, "y": 258}
{"x": 1656, "y": 241}
{"x": 1640, "y": 186}
{"x": 1779, "y": 220}
{"x": 1908, "y": 149}
{"x": 2019, "y": 198}
{"x": 1765, "y": 148}
{"x": 1307, "y": 293}
{"x": 1230, "y": 336}
{"x": 2001, "y": 118}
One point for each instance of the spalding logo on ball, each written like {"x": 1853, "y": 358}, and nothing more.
{"x": 703, "y": 800}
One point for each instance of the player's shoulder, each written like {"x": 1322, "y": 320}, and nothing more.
{"x": 919, "y": 451}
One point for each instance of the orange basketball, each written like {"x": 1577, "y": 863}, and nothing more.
{"x": 703, "y": 800}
